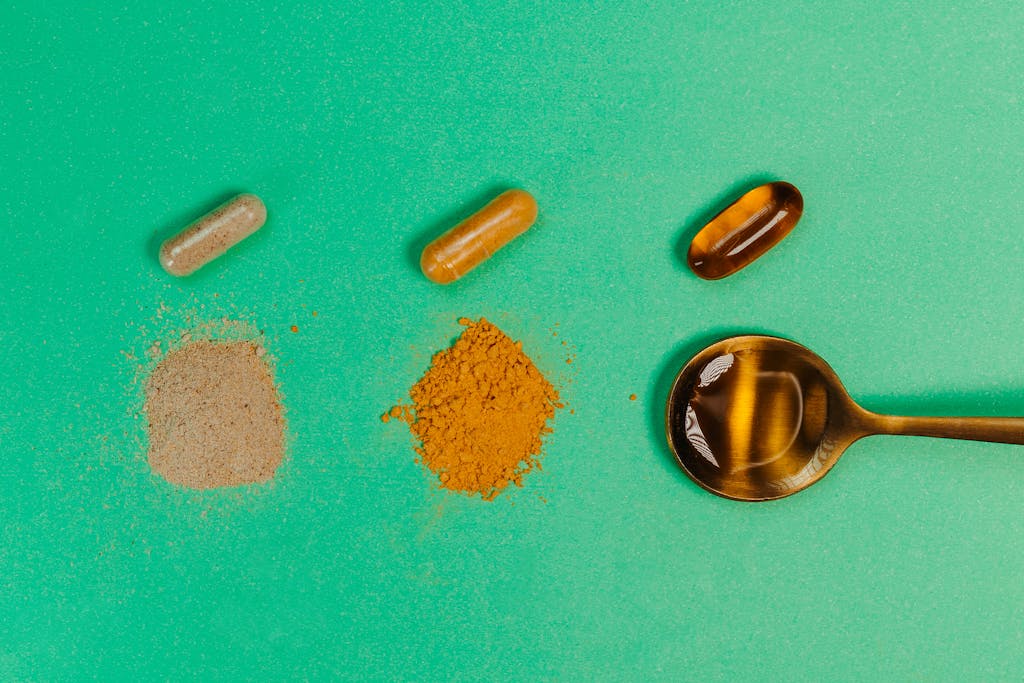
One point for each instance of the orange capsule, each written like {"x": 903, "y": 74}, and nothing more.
{"x": 475, "y": 239}
{"x": 745, "y": 230}
{"x": 213, "y": 234}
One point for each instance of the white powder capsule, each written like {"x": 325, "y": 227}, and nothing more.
{"x": 213, "y": 234}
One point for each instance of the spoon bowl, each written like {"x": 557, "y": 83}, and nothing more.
{"x": 756, "y": 418}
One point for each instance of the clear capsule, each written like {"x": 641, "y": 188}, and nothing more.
{"x": 745, "y": 230}
{"x": 475, "y": 239}
{"x": 213, "y": 234}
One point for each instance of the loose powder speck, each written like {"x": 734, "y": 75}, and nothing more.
{"x": 214, "y": 416}
{"x": 480, "y": 412}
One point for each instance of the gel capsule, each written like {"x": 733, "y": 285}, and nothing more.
{"x": 475, "y": 239}
{"x": 745, "y": 230}
{"x": 213, "y": 234}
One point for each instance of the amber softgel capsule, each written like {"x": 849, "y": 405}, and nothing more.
{"x": 213, "y": 234}
{"x": 475, "y": 239}
{"x": 745, "y": 230}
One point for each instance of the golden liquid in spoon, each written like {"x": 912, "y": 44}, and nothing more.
{"x": 753, "y": 420}
{"x": 758, "y": 418}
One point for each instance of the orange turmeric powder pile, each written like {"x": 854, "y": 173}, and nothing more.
{"x": 479, "y": 412}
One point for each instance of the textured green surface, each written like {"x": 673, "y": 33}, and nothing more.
{"x": 367, "y": 128}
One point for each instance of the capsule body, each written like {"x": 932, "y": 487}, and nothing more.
{"x": 745, "y": 230}
{"x": 213, "y": 234}
{"x": 475, "y": 239}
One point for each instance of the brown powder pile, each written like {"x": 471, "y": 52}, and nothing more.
{"x": 480, "y": 412}
{"x": 214, "y": 416}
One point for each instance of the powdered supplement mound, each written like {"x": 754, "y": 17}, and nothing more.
{"x": 214, "y": 416}
{"x": 480, "y": 412}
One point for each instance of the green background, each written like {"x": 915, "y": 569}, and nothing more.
{"x": 368, "y": 128}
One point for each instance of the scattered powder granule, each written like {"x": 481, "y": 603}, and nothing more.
{"x": 214, "y": 415}
{"x": 480, "y": 412}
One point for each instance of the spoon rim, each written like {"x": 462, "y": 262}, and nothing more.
{"x": 686, "y": 371}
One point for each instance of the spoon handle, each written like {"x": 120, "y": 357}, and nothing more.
{"x": 995, "y": 429}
